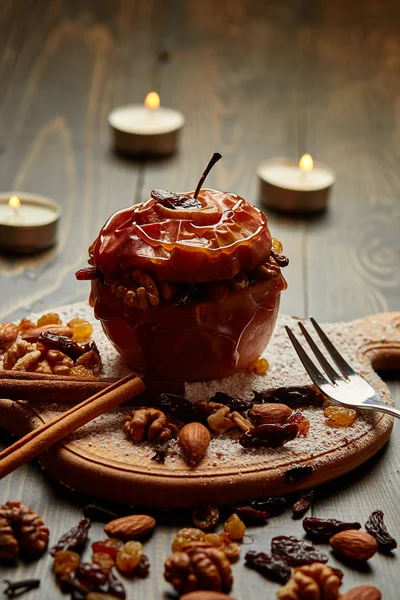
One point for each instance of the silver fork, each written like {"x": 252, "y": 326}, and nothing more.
{"x": 349, "y": 387}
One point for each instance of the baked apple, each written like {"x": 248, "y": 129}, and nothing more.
{"x": 187, "y": 285}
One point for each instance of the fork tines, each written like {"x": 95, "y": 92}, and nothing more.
{"x": 316, "y": 375}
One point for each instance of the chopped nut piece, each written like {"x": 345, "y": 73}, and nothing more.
{"x": 149, "y": 423}
{"x": 91, "y": 360}
{"x": 17, "y": 351}
{"x": 240, "y": 421}
{"x": 8, "y": 335}
{"x": 199, "y": 569}
{"x": 311, "y": 582}
{"x": 28, "y": 362}
{"x": 219, "y": 422}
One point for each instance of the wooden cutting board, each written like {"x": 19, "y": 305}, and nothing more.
{"x": 100, "y": 461}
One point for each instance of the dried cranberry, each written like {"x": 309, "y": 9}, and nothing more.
{"x": 175, "y": 201}
{"x": 376, "y": 527}
{"x": 274, "y": 506}
{"x": 239, "y": 404}
{"x": 269, "y": 436}
{"x": 306, "y": 395}
{"x": 272, "y": 567}
{"x": 297, "y": 474}
{"x": 88, "y": 274}
{"x": 321, "y": 530}
{"x": 296, "y": 552}
{"x": 248, "y": 513}
{"x": 301, "y": 506}
{"x": 74, "y": 539}
{"x": 180, "y": 407}
{"x": 282, "y": 260}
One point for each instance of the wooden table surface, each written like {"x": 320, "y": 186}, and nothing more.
{"x": 254, "y": 79}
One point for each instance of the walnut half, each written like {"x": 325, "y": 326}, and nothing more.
{"x": 22, "y": 531}
{"x": 311, "y": 582}
{"x": 151, "y": 424}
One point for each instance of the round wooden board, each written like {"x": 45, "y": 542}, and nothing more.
{"x": 99, "y": 461}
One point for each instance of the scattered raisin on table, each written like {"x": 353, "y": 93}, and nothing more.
{"x": 271, "y": 566}
{"x": 249, "y": 514}
{"x": 235, "y": 527}
{"x": 301, "y": 421}
{"x": 297, "y": 474}
{"x": 306, "y": 395}
{"x": 103, "y": 560}
{"x": 377, "y": 528}
{"x": 91, "y": 576}
{"x": 269, "y": 436}
{"x": 259, "y": 367}
{"x": 22, "y": 532}
{"x": 340, "y": 416}
{"x": 205, "y": 517}
{"x": 49, "y": 319}
{"x": 274, "y": 506}
{"x": 81, "y": 329}
{"x": 321, "y": 530}
{"x": 180, "y": 407}
{"x": 65, "y": 563}
{"x": 74, "y": 539}
{"x": 110, "y": 546}
{"x": 239, "y": 404}
{"x": 143, "y": 567}
{"x": 128, "y": 557}
{"x": 296, "y": 552}
{"x": 301, "y": 506}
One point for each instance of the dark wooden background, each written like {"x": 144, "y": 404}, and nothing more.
{"x": 254, "y": 78}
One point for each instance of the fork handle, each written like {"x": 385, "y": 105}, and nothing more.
{"x": 389, "y": 410}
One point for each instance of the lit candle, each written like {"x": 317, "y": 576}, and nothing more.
{"x": 28, "y": 223}
{"x": 291, "y": 186}
{"x": 146, "y": 129}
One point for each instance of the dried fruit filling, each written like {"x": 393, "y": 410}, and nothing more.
{"x": 199, "y": 278}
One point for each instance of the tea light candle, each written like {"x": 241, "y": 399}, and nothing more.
{"x": 147, "y": 129}
{"x": 28, "y": 222}
{"x": 288, "y": 186}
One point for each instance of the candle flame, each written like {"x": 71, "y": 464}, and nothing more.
{"x": 152, "y": 101}
{"x": 14, "y": 202}
{"x": 306, "y": 163}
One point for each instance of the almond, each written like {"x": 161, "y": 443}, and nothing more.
{"x": 362, "y": 592}
{"x": 270, "y": 413}
{"x": 354, "y": 544}
{"x": 132, "y": 527}
{"x": 32, "y": 334}
{"x": 194, "y": 439}
{"x": 206, "y": 595}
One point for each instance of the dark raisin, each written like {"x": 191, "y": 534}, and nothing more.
{"x": 205, "y": 517}
{"x": 66, "y": 345}
{"x": 175, "y": 201}
{"x": 302, "y": 504}
{"x": 321, "y": 530}
{"x": 250, "y": 514}
{"x": 297, "y": 474}
{"x": 269, "y": 436}
{"x": 296, "y": 552}
{"x": 143, "y": 568}
{"x": 272, "y": 567}
{"x": 88, "y": 274}
{"x": 98, "y": 513}
{"x": 114, "y": 587}
{"x": 282, "y": 260}
{"x": 274, "y": 506}
{"x": 376, "y": 527}
{"x": 179, "y": 407}
{"x": 159, "y": 456}
{"x": 239, "y": 404}
{"x": 306, "y": 395}
{"x": 74, "y": 539}
{"x": 91, "y": 576}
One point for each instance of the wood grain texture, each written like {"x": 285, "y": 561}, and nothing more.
{"x": 255, "y": 79}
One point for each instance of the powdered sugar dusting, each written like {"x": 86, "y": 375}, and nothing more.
{"x": 103, "y": 439}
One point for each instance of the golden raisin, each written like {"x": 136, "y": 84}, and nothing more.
{"x": 128, "y": 558}
{"x": 109, "y": 546}
{"x": 49, "y": 319}
{"x": 223, "y": 542}
{"x": 235, "y": 527}
{"x": 185, "y": 536}
{"x": 81, "y": 329}
{"x": 277, "y": 246}
{"x": 65, "y": 563}
{"x": 260, "y": 366}
{"x": 340, "y": 416}
{"x": 26, "y": 325}
{"x": 104, "y": 561}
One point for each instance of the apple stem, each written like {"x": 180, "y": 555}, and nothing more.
{"x": 215, "y": 158}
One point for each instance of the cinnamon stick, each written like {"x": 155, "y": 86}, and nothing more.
{"x": 42, "y": 438}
